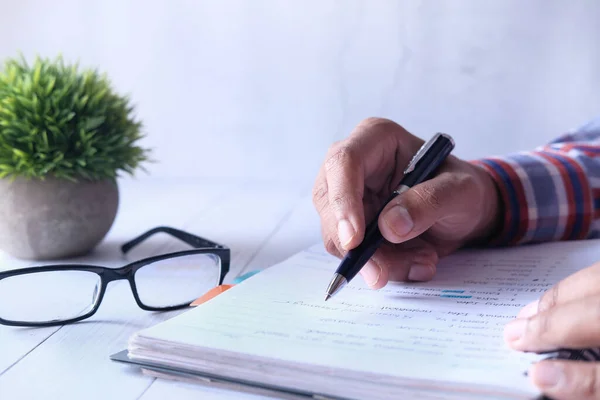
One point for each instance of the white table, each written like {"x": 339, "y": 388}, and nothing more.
{"x": 262, "y": 222}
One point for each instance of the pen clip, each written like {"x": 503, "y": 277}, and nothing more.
{"x": 413, "y": 162}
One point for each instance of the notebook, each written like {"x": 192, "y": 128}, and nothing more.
{"x": 440, "y": 338}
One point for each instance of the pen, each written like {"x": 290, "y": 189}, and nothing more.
{"x": 420, "y": 168}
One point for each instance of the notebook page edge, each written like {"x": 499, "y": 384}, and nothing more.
{"x": 302, "y": 377}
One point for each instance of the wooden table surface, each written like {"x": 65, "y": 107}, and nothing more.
{"x": 262, "y": 222}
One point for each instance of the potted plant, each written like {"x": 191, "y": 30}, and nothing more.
{"x": 65, "y": 137}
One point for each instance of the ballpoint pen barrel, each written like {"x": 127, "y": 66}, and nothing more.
{"x": 356, "y": 258}
{"x": 429, "y": 162}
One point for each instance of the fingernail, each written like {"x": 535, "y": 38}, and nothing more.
{"x": 547, "y": 374}
{"x": 345, "y": 232}
{"x": 529, "y": 310}
{"x": 399, "y": 220}
{"x": 420, "y": 272}
{"x": 371, "y": 273}
{"x": 514, "y": 330}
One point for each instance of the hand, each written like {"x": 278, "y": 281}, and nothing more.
{"x": 566, "y": 316}
{"x": 459, "y": 205}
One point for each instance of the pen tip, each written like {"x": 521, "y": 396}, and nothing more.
{"x": 336, "y": 284}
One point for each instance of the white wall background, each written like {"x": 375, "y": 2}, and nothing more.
{"x": 260, "y": 88}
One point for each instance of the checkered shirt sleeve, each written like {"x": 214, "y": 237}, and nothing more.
{"x": 552, "y": 192}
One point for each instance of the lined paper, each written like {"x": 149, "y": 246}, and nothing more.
{"x": 446, "y": 333}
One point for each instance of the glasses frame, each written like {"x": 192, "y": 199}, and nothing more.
{"x": 127, "y": 272}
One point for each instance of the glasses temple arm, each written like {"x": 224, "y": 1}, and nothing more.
{"x": 188, "y": 238}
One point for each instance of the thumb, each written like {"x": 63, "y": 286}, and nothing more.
{"x": 567, "y": 379}
{"x": 414, "y": 211}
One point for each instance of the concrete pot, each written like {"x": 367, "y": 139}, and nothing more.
{"x": 55, "y": 218}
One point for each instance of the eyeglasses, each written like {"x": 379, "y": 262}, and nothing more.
{"x": 60, "y": 294}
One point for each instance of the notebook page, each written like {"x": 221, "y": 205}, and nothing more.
{"x": 444, "y": 332}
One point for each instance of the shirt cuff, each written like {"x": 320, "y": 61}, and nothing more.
{"x": 545, "y": 196}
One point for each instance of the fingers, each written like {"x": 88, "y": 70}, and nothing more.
{"x": 417, "y": 261}
{"x": 329, "y": 227}
{"x": 411, "y": 261}
{"x": 344, "y": 175}
{"x": 416, "y": 210}
{"x": 566, "y": 316}
{"x": 562, "y": 380}
{"x": 576, "y": 286}
{"x": 570, "y": 325}
{"x": 338, "y": 201}
{"x": 369, "y": 154}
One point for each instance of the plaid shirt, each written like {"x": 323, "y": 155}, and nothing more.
{"x": 553, "y": 192}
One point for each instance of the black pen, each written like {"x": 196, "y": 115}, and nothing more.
{"x": 420, "y": 168}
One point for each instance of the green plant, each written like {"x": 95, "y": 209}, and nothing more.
{"x": 56, "y": 119}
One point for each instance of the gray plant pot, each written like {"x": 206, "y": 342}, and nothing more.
{"x": 55, "y": 218}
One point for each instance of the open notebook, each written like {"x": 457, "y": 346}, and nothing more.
{"x": 445, "y": 336}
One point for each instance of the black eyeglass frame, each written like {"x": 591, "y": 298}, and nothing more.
{"x": 127, "y": 272}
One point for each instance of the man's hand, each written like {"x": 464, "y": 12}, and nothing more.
{"x": 567, "y": 316}
{"x": 459, "y": 205}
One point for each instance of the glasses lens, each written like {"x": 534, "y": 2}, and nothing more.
{"x": 52, "y": 296}
{"x": 177, "y": 281}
